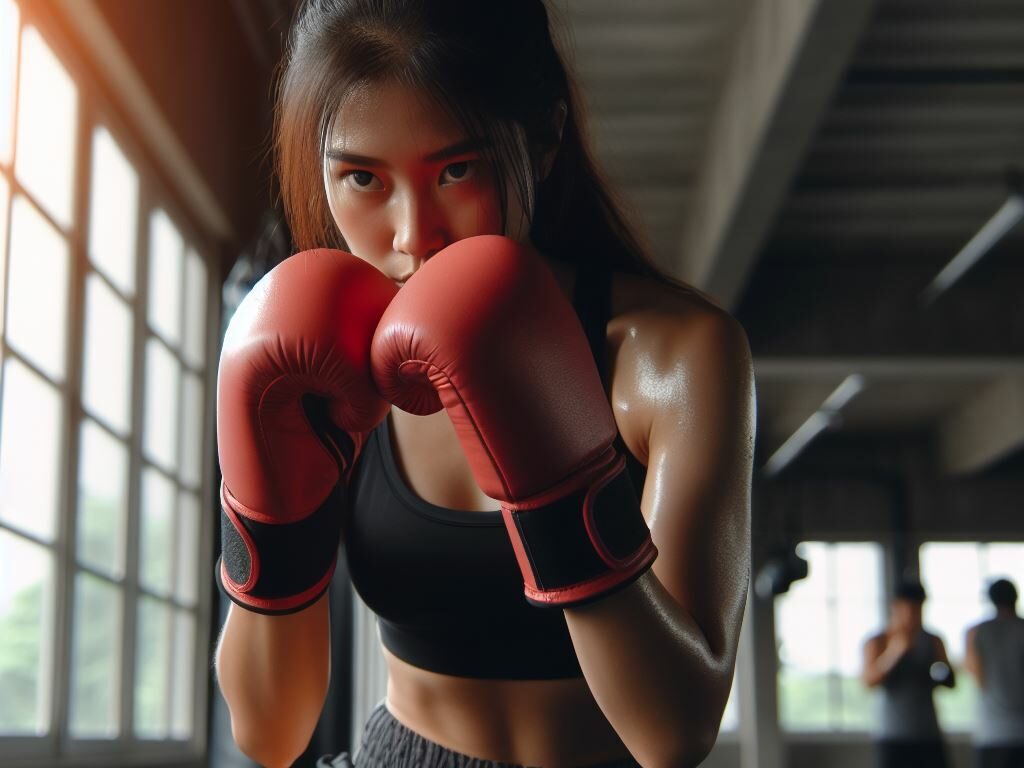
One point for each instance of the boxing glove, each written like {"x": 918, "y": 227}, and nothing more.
{"x": 483, "y": 330}
{"x": 295, "y": 400}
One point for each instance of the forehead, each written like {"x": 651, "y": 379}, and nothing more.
{"x": 392, "y": 119}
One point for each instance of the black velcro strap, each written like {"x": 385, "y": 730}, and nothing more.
{"x": 293, "y": 557}
{"x": 559, "y": 546}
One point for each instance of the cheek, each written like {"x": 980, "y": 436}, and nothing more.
{"x": 363, "y": 232}
{"x": 478, "y": 213}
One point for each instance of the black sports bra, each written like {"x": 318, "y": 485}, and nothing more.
{"x": 444, "y": 583}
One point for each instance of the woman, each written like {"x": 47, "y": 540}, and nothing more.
{"x": 405, "y": 126}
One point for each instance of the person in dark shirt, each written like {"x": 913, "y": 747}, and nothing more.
{"x": 906, "y": 662}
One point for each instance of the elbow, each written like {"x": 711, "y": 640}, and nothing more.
{"x": 268, "y": 747}
{"x": 697, "y": 748}
{"x": 683, "y": 748}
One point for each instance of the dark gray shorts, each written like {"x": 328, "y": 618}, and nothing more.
{"x": 386, "y": 743}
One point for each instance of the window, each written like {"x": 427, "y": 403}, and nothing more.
{"x": 731, "y": 715}
{"x": 956, "y": 576}
{"x": 103, "y": 385}
{"x": 821, "y": 625}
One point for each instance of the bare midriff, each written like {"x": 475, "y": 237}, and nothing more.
{"x": 551, "y": 723}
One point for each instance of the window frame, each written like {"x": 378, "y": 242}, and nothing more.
{"x": 96, "y": 108}
{"x": 832, "y": 734}
{"x": 956, "y": 734}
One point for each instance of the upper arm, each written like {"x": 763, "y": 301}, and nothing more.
{"x": 687, "y": 408}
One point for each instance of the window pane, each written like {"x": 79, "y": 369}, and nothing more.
{"x": 858, "y": 570}
{"x": 187, "y": 574}
{"x": 184, "y": 674}
{"x": 30, "y": 429}
{"x": 106, "y": 378}
{"x": 4, "y": 193}
{"x": 113, "y": 203}
{"x": 95, "y": 665}
{"x": 47, "y": 115}
{"x": 165, "y": 274}
{"x": 26, "y": 632}
{"x": 803, "y": 700}
{"x": 195, "y": 309}
{"x": 192, "y": 430}
{"x": 102, "y": 501}
{"x": 858, "y": 704}
{"x": 952, "y": 569}
{"x": 821, "y": 624}
{"x": 155, "y": 532}
{"x": 38, "y": 296}
{"x": 951, "y": 573}
{"x": 8, "y": 54}
{"x": 800, "y": 615}
{"x": 152, "y": 668}
{"x": 1004, "y": 561}
{"x": 160, "y": 430}
{"x": 731, "y": 716}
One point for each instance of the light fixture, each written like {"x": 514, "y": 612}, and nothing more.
{"x": 826, "y": 416}
{"x": 991, "y": 233}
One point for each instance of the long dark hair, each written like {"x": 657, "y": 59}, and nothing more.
{"x": 494, "y": 65}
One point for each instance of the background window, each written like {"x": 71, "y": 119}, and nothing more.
{"x": 821, "y": 625}
{"x": 101, "y": 426}
{"x": 956, "y": 576}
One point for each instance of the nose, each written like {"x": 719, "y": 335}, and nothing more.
{"x": 419, "y": 229}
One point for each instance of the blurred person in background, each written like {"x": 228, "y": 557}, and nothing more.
{"x": 906, "y": 662}
{"x": 995, "y": 657}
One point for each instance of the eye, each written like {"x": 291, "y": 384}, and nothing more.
{"x": 362, "y": 180}
{"x": 457, "y": 172}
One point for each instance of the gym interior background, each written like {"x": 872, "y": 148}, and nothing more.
{"x": 843, "y": 175}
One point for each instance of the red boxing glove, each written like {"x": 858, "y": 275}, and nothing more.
{"x": 483, "y": 329}
{"x": 294, "y": 401}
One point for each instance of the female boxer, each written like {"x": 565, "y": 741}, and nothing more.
{"x": 538, "y": 603}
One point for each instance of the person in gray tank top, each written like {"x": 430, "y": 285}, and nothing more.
{"x": 995, "y": 656}
{"x": 905, "y": 663}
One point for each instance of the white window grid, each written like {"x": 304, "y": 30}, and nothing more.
{"x": 819, "y": 636}
{"x": 56, "y": 744}
{"x": 956, "y": 575}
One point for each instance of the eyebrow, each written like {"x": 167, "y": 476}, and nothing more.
{"x": 458, "y": 148}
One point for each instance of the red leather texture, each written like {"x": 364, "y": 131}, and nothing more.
{"x": 305, "y": 328}
{"x": 484, "y": 324}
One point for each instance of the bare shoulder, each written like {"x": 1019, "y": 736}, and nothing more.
{"x": 670, "y": 346}
{"x": 670, "y": 313}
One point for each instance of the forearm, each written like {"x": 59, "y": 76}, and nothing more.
{"x": 652, "y": 672}
{"x": 274, "y": 672}
{"x": 878, "y": 670}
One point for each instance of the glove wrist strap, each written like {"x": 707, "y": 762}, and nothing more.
{"x": 281, "y": 567}
{"x": 584, "y": 545}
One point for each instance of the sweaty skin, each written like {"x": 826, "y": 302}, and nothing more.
{"x": 658, "y": 656}
{"x": 560, "y": 722}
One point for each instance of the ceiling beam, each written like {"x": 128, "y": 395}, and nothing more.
{"x": 145, "y": 111}
{"x": 787, "y": 59}
{"x": 788, "y": 369}
{"x": 984, "y": 429}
